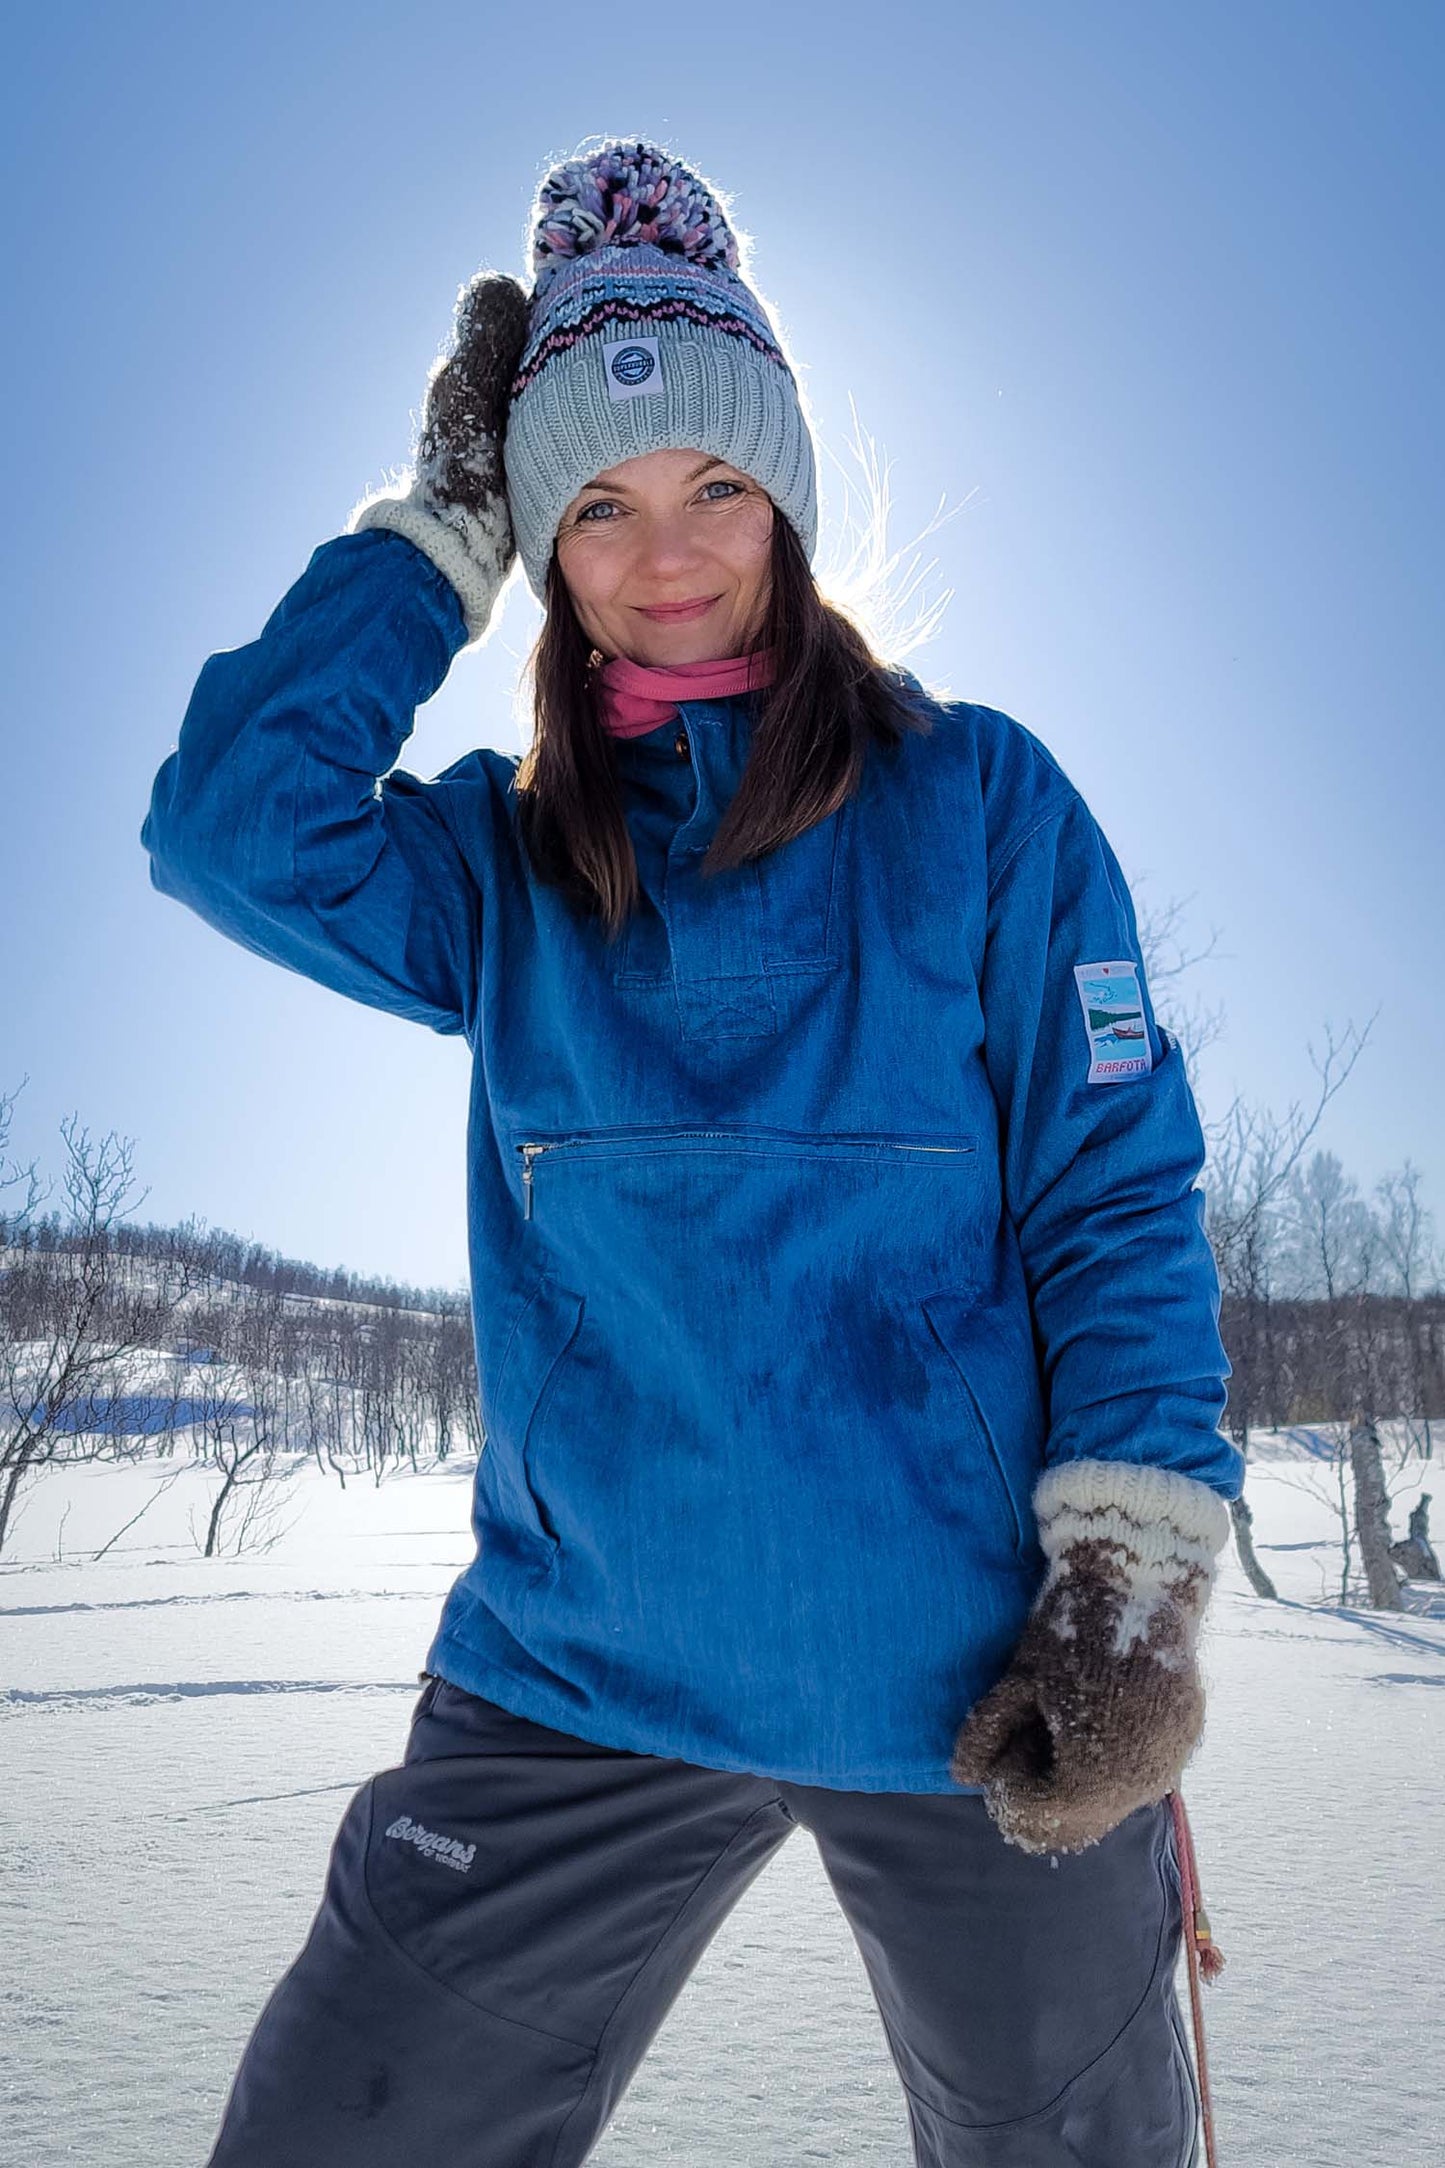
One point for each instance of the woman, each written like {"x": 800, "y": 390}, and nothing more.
{"x": 846, "y": 1329}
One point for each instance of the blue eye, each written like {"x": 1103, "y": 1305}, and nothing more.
{"x": 599, "y": 504}
{"x": 734, "y": 487}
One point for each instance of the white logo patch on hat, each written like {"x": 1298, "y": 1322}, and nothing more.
{"x": 634, "y": 368}
{"x": 1114, "y": 1019}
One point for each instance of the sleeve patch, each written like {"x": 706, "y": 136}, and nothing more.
{"x": 1114, "y": 1020}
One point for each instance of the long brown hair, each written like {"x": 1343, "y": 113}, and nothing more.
{"x": 830, "y": 700}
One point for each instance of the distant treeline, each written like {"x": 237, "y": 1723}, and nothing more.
{"x": 235, "y": 1260}
{"x": 1327, "y": 1361}
{"x": 119, "y": 1339}
{"x": 1297, "y": 1358}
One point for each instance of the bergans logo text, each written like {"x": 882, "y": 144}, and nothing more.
{"x": 450, "y": 1851}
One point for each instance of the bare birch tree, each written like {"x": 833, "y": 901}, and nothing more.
{"x": 1372, "y": 1515}
{"x": 239, "y": 1431}
{"x": 75, "y": 1308}
{"x": 1407, "y": 1232}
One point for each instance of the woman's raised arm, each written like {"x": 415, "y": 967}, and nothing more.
{"x": 276, "y": 818}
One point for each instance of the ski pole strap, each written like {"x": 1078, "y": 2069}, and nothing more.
{"x": 1205, "y": 1960}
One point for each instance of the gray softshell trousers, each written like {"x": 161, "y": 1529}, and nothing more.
{"x": 510, "y": 1914}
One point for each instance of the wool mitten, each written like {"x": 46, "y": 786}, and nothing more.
{"x": 454, "y": 506}
{"x": 1101, "y": 1704}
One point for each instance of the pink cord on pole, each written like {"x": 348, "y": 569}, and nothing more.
{"x": 1205, "y": 1960}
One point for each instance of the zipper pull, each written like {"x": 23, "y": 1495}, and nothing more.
{"x": 529, "y": 1153}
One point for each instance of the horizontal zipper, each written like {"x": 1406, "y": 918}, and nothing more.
{"x": 824, "y": 1146}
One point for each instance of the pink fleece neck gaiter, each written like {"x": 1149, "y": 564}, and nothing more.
{"x": 635, "y": 697}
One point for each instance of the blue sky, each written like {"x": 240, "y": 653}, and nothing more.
{"x": 1151, "y": 293}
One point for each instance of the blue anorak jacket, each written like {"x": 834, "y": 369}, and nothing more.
{"x": 808, "y": 1221}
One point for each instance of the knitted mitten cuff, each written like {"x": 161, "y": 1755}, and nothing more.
{"x": 473, "y": 549}
{"x": 1101, "y": 1704}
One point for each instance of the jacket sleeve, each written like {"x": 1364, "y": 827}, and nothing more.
{"x": 275, "y": 818}
{"x": 1099, "y": 1177}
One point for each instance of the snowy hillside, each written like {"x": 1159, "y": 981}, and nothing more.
{"x": 178, "y": 1738}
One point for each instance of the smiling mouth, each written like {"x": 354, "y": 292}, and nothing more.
{"x": 671, "y": 613}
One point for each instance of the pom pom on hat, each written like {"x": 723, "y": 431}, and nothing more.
{"x": 624, "y": 194}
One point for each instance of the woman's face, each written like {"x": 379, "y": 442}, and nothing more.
{"x": 665, "y": 558}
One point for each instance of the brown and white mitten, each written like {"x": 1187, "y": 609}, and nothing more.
{"x": 454, "y": 504}
{"x": 1101, "y": 1705}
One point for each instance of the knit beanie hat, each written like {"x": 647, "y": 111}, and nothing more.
{"x": 643, "y": 336}
{"x": 639, "y": 335}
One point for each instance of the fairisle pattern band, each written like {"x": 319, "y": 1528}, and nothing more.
{"x": 1152, "y": 1533}
{"x": 615, "y": 309}
{"x": 1155, "y": 1516}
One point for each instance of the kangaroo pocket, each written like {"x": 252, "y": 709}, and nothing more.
{"x": 728, "y": 1427}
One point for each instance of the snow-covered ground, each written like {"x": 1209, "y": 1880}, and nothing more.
{"x": 178, "y": 1739}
